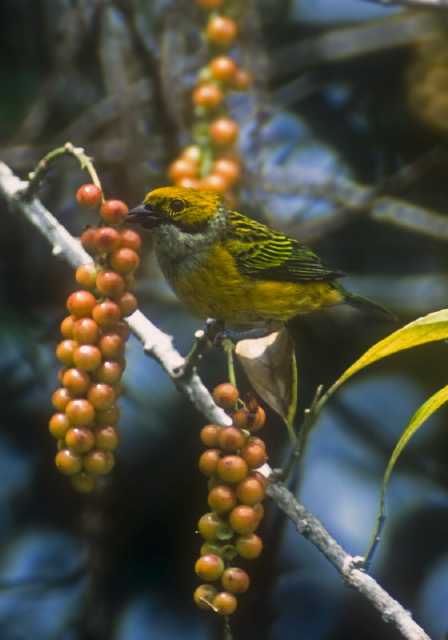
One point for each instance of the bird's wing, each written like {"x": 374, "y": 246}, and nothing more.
{"x": 264, "y": 254}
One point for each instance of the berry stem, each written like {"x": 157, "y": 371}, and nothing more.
{"x": 37, "y": 176}
{"x": 229, "y": 347}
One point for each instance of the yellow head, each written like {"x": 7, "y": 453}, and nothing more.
{"x": 189, "y": 209}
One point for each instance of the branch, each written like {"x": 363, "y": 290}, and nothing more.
{"x": 159, "y": 345}
{"x": 313, "y": 530}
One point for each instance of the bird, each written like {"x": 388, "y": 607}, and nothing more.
{"x": 224, "y": 265}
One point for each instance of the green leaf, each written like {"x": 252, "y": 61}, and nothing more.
{"x": 419, "y": 417}
{"x": 432, "y": 327}
{"x": 270, "y": 365}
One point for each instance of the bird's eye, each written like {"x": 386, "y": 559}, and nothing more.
{"x": 177, "y": 205}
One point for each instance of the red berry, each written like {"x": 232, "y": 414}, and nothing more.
{"x": 124, "y": 260}
{"x": 106, "y": 239}
{"x": 113, "y": 211}
{"x": 111, "y": 345}
{"x": 182, "y": 168}
{"x": 223, "y": 68}
{"x": 86, "y": 331}
{"x": 221, "y": 499}
{"x": 209, "y": 567}
{"x": 110, "y": 283}
{"x": 81, "y": 303}
{"x": 207, "y": 96}
{"x": 106, "y": 313}
{"x": 89, "y": 196}
{"x": 243, "y": 519}
{"x": 65, "y": 351}
{"x": 87, "y": 357}
{"x": 130, "y": 239}
{"x": 224, "y": 132}
{"x": 235, "y": 580}
{"x": 127, "y": 304}
{"x": 67, "y": 326}
{"x": 87, "y": 239}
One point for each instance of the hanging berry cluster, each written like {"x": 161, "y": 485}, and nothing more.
{"x": 212, "y": 162}
{"x": 235, "y": 494}
{"x": 92, "y": 351}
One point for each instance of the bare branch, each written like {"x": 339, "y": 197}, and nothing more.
{"x": 348, "y": 566}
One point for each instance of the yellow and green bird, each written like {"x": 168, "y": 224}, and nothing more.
{"x": 223, "y": 265}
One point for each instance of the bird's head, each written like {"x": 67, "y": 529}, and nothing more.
{"x": 191, "y": 210}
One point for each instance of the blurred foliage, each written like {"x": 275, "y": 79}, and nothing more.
{"x": 329, "y": 125}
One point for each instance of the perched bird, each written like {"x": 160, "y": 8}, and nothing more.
{"x": 224, "y": 265}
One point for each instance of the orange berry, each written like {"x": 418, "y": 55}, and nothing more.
{"x": 76, "y": 381}
{"x": 86, "y": 274}
{"x": 106, "y": 313}
{"x": 235, "y": 580}
{"x": 207, "y": 96}
{"x": 58, "y": 425}
{"x": 101, "y": 395}
{"x": 80, "y": 412}
{"x": 106, "y": 438}
{"x": 67, "y": 326}
{"x": 109, "y": 416}
{"x": 221, "y": 31}
{"x": 208, "y": 461}
{"x": 111, "y": 346}
{"x": 182, "y": 168}
{"x": 60, "y": 399}
{"x": 99, "y": 462}
{"x": 231, "y": 438}
{"x": 87, "y": 239}
{"x": 65, "y": 351}
{"x": 79, "y": 440}
{"x": 209, "y": 567}
{"x": 223, "y": 132}
{"x": 250, "y": 491}
{"x": 87, "y": 357}
{"x": 68, "y": 463}
{"x": 188, "y": 183}
{"x": 209, "y": 526}
{"x": 81, "y": 303}
{"x": 216, "y": 183}
{"x": 86, "y": 331}
{"x": 123, "y": 330}
{"x": 129, "y": 282}
{"x": 113, "y": 211}
{"x": 210, "y": 435}
{"x": 204, "y": 595}
{"x": 127, "y": 303}
{"x": 130, "y": 239}
{"x": 106, "y": 239}
{"x": 259, "y": 510}
{"x": 232, "y": 468}
{"x": 124, "y": 260}
{"x": 243, "y": 519}
{"x": 224, "y": 603}
{"x": 89, "y": 196}
{"x": 225, "y": 395}
{"x": 109, "y": 371}
{"x": 192, "y": 153}
{"x": 254, "y": 454}
{"x": 221, "y": 499}
{"x": 223, "y": 68}
{"x": 110, "y": 283}
{"x": 249, "y": 546}
{"x": 228, "y": 168}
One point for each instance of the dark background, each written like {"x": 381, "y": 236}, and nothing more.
{"x": 114, "y": 78}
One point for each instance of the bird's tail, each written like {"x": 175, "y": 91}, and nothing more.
{"x": 366, "y": 305}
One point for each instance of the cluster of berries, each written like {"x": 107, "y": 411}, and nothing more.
{"x": 236, "y": 490}
{"x": 427, "y": 80}
{"x": 212, "y": 163}
{"x": 92, "y": 351}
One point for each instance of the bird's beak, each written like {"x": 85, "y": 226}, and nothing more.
{"x": 144, "y": 215}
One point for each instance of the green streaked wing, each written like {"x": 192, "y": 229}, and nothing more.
{"x": 264, "y": 254}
